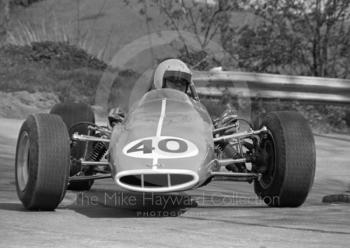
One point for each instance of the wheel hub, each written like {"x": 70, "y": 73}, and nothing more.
{"x": 22, "y": 161}
{"x": 266, "y": 161}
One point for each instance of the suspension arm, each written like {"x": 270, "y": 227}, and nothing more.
{"x": 220, "y": 129}
{"x": 240, "y": 135}
{"x": 235, "y": 176}
{"x": 84, "y": 178}
{"x": 81, "y": 137}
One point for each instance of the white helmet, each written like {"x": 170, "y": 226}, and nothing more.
{"x": 172, "y": 73}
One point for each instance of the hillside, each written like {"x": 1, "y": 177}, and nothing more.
{"x": 103, "y": 27}
{"x": 110, "y": 33}
{"x": 35, "y": 77}
{"x": 99, "y": 25}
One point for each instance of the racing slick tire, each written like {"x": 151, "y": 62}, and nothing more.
{"x": 288, "y": 151}
{"x": 42, "y": 162}
{"x": 73, "y": 113}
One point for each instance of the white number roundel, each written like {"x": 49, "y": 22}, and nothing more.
{"x": 165, "y": 147}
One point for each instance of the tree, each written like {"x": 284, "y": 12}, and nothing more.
{"x": 298, "y": 37}
{"x": 287, "y": 36}
{"x": 204, "y": 19}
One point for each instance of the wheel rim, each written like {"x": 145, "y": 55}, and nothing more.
{"x": 22, "y": 161}
{"x": 268, "y": 146}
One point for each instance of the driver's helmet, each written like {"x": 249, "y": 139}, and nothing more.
{"x": 172, "y": 73}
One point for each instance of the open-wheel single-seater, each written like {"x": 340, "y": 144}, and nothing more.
{"x": 167, "y": 143}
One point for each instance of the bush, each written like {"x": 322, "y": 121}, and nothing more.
{"x": 347, "y": 117}
{"x": 60, "y": 55}
{"x": 64, "y": 56}
{"x": 323, "y": 118}
{"x": 24, "y": 2}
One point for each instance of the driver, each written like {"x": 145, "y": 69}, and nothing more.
{"x": 171, "y": 73}
{"x": 174, "y": 74}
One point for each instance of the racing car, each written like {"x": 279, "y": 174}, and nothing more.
{"x": 166, "y": 143}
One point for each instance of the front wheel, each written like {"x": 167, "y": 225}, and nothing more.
{"x": 42, "y": 162}
{"x": 71, "y": 114}
{"x": 288, "y": 160}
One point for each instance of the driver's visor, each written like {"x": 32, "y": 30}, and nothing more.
{"x": 177, "y": 75}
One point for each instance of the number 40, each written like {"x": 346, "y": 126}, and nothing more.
{"x": 166, "y": 145}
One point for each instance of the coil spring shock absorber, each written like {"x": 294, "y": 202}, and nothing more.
{"x": 225, "y": 148}
{"x": 99, "y": 149}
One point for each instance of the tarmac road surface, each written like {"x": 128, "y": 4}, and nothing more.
{"x": 222, "y": 214}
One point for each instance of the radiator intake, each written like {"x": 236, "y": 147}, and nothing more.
{"x": 157, "y": 180}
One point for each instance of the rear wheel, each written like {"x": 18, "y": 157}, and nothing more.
{"x": 287, "y": 159}
{"x": 42, "y": 162}
{"x": 71, "y": 114}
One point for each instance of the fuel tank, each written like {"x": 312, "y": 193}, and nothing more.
{"x": 165, "y": 145}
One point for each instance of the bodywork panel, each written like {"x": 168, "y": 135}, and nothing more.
{"x": 165, "y": 130}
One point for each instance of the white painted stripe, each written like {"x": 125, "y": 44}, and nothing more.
{"x": 161, "y": 118}
{"x": 159, "y": 130}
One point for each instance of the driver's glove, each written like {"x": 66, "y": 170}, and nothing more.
{"x": 115, "y": 116}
